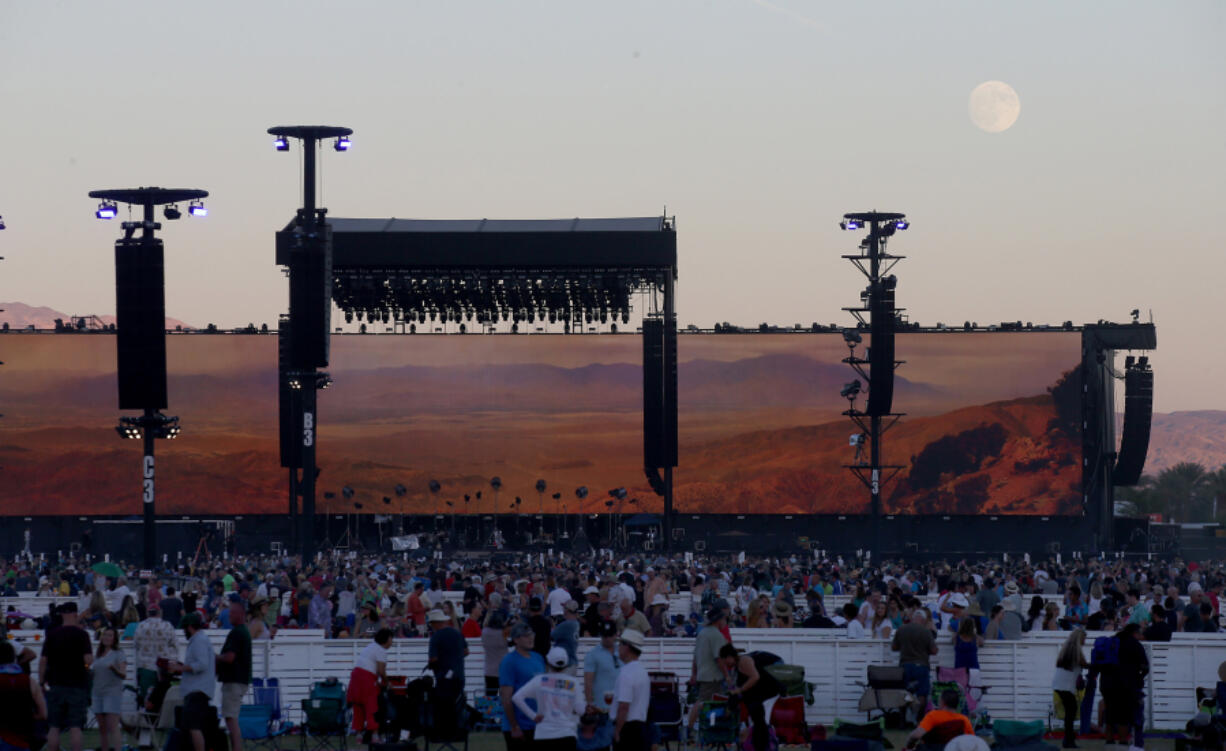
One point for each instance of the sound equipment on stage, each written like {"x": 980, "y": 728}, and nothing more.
{"x": 289, "y": 414}
{"x": 1138, "y": 415}
{"x": 140, "y": 323}
{"x": 659, "y": 395}
{"x": 881, "y": 349}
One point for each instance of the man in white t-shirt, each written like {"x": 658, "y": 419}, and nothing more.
{"x": 557, "y": 600}
{"x": 631, "y": 693}
{"x": 858, "y": 628}
{"x": 558, "y": 697}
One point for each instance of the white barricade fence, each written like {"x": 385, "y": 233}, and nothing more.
{"x": 1017, "y": 673}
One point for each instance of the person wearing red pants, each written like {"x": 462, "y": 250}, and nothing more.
{"x": 363, "y": 693}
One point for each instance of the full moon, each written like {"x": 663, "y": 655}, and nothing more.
{"x": 994, "y": 106}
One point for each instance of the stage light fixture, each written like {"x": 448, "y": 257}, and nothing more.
{"x": 902, "y": 224}
{"x": 850, "y": 390}
{"x": 852, "y": 337}
{"x": 1, "y": 222}
{"x": 281, "y": 143}
{"x": 171, "y": 212}
{"x": 342, "y": 144}
{"x": 849, "y": 224}
{"x": 107, "y": 210}
{"x": 197, "y": 209}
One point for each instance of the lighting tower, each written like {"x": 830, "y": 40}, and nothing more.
{"x": 877, "y": 302}
{"x": 309, "y": 246}
{"x": 140, "y": 337}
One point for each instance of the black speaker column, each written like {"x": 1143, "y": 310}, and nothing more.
{"x": 1138, "y": 414}
{"x": 140, "y": 323}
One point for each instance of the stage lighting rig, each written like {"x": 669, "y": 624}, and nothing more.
{"x": 171, "y": 212}
{"x": 2, "y": 226}
{"x": 342, "y": 144}
{"x": 140, "y": 340}
{"x": 196, "y": 208}
{"x": 309, "y": 246}
{"x": 851, "y": 390}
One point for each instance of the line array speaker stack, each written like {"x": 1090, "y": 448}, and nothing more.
{"x": 659, "y": 395}
{"x": 881, "y": 350}
{"x": 310, "y": 299}
{"x": 140, "y": 322}
{"x": 1138, "y": 414}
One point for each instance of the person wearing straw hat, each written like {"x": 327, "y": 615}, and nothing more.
{"x": 559, "y": 703}
{"x": 631, "y": 694}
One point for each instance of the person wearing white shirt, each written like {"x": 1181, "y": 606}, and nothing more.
{"x": 560, "y": 703}
{"x": 858, "y": 628}
{"x": 557, "y": 600}
{"x": 631, "y": 693}
{"x": 369, "y": 670}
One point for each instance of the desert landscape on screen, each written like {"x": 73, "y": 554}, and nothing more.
{"x": 991, "y": 425}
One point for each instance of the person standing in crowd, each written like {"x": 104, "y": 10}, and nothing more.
{"x": 966, "y": 646}
{"x": 558, "y": 701}
{"x": 199, "y": 679}
{"x": 494, "y": 648}
{"x": 632, "y": 618}
{"x": 369, "y": 671}
{"x": 171, "y": 608}
{"x": 445, "y": 655}
{"x": 109, "y": 671}
{"x": 234, "y": 670}
{"x": 416, "y": 606}
{"x": 1121, "y": 681}
{"x": 517, "y": 668}
{"x": 631, "y": 694}
{"x": 21, "y": 701}
{"x": 750, "y": 682}
{"x": 707, "y": 671}
{"x": 566, "y": 634}
{"x": 154, "y": 640}
{"x": 1158, "y": 629}
{"x": 557, "y": 599}
{"x": 591, "y": 616}
{"x": 64, "y": 671}
{"x": 319, "y": 612}
{"x": 600, "y": 667}
{"x": 1069, "y": 662}
{"x": 916, "y": 646}
{"x": 541, "y": 626}
{"x": 471, "y": 628}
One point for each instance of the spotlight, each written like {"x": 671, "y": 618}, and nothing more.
{"x": 347, "y": 492}
{"x": 400, "y": 489}
{"x": 107, "y": 210}
{"x": 342, "y": 144}
{"x": 128, "y": 432}
{"x": 171, "y": 212}
{"x": 581, "y": 492}
{"x": 197, "y": 209}
{"x": 851, "y": 336}
{"x": 850, "y": 390}
{"x": 902, "y": 224}
{"x": 1, "y": 222}
{"x": 849, "y": 224}
{"x": 434, "y": 486}
{"x": 281, "y": 143}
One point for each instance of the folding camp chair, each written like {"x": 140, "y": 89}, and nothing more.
{"x": 885, "y": 691}
{"x": 664, "y": 707}
{"x": 447, "y": 727}
{"x": 717, "y": 726}
{"x": 256, "y": 725}
{"x": 323, "y": 724}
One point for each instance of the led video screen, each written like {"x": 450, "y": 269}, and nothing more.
{"x": 991, "y": 425}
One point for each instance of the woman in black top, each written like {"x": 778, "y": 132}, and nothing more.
{"x": 1121, "y": 684}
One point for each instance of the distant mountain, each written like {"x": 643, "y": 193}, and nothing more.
{"x": 1196, "y": 436}
{"x": 19, "y": 316}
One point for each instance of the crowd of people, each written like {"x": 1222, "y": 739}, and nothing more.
{"x": 529, "y": 613}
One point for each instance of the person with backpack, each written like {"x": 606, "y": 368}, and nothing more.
{"x": 752, "y": 685}
{"x": 1069, "y": 662}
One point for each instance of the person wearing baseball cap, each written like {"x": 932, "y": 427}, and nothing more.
{"x": 600, "y": 666}
{"x": 557, "y": 704}
{"x": 631, "y": 693}
{"x": 566, "y": 634}
{"x": 516, "y": 669}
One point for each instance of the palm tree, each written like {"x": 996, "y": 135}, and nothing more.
{"x": 1182, "y": 489}
{"x": 1142, "y": 499}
